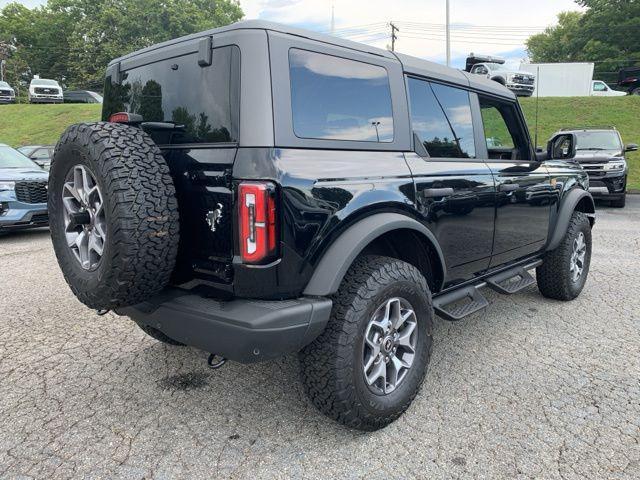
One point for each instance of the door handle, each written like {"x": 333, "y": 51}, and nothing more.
{"x": 437, "y": 192}
{"x": 508, "y": 187}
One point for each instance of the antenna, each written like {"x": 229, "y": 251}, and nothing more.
{"x": 535, "y": 144}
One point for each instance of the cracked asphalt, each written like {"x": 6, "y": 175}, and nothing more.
{"x": 529, "y": 388}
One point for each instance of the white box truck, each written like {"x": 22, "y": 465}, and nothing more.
{"x": 561, "y": 79}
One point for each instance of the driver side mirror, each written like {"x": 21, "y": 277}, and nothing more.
{"x": 632, "y": 147}
{"x": 562, "y": 147}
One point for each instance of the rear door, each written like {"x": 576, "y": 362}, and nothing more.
{"x": 523, "y": 187}
{"x": 454, "y": 189}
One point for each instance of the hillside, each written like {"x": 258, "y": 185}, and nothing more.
{"x": 33, "y": 124}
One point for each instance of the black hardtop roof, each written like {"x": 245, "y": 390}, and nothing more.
{"x": 411, "y": 65}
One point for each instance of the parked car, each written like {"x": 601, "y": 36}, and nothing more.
{"x": 272, "y": 190}
{"x": 81, "y": 96}
{"x": 42, "y": 90}
{"x": 629, "y": 78}
{"x": 601, "y": 89}
{"x": 7, "y": 94}
{"x": 40, "y": 154}
{"x": 520, "y": 83}
{"x": 601, "y": 153}
{"x": 23, "y": 192}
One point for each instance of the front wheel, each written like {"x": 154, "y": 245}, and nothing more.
{"x": 369, "y": 363}
{"x": 619, "y": 202}
{"x": 564, "y": 272}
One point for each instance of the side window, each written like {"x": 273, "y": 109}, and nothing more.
{"x": 503, "y": 133}
{"x": 599, "y": 87}
{"x": 441, "y": 118}
{"x": 335, "y": 98}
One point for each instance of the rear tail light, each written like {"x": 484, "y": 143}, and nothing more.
{"x": 124, "y": 117}
{"x": 257, "y": 217}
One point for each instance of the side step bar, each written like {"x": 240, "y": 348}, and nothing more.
{"x": 465, "y": 301}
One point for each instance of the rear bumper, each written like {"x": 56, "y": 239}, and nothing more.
{"x": 242, "y": 330}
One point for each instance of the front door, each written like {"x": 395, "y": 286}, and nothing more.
{"x": 454, "y": 190}
{"x": 523, "y": 187}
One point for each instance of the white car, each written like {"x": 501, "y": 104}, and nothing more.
{"x": 601, "y": 89}
{"x": 7, "y": 94}
{"x": 42, "y": 90}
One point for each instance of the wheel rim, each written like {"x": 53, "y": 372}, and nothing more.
{"x": 578, "y": 256}
{"x": 389, "y": 345}
{"x": 84, "y": 217}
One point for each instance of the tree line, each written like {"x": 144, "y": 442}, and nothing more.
{"x": 607, "y": 33}
{"x": 72, "y": 41}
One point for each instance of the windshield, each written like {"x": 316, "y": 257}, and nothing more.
{"x": 41, "y": 81}
{"x": 4, "y": 85}
{"x": 10, "y": 158}
{"x": 494, "y": 66}
{"x": 598, "y": 140}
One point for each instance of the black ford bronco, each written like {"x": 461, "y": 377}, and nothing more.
{"x": 258, "y": 190}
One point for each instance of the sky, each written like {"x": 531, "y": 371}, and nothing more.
{"x": 492, "y": 27}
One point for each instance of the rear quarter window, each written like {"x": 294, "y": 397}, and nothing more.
{"x": 195, "y": 104}
{"x": 334, "y": 98}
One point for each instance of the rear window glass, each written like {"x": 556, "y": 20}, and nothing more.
{"x": 188, "y": 103}
{"x": 334, "y": 98}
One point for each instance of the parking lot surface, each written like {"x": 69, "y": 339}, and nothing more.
{"x": 529, "y": 388}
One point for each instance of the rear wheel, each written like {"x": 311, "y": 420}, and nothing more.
{"x": 564, "y": 272}
{"x": 635, "y": 91}
{"x": 368, "y": 365}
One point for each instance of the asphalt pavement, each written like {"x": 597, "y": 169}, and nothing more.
{"x": 529, "y": 388}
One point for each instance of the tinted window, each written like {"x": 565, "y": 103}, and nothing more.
{"x": 339, "y": 99}
{"x": 441, "y": 117}
{"x": 504, "y": 131}
{"x": 196, "y": 105}
{"x": 496, "y": 133}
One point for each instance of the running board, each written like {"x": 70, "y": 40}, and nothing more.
{"x": 461, "y": 303}
{"x": 476, "y": 302}
{"x": 512, "y": 280}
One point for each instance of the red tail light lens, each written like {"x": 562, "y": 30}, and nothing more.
{"x": 124, "y": 117}
{"x": 257, "y": 217}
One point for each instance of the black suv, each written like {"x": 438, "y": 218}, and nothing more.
{"x": 601, "y": 153}
{"x": 257, "y": 190}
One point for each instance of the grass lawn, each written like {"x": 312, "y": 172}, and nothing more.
{"x": 43, "y": 124}
{"x": 621, "y": 112}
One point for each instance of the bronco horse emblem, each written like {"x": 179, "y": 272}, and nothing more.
{"x": 213, "y": 217}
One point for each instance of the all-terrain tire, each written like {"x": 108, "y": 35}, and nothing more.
{"x": 331, "y": 366}
{"x": 158, "y": 335}
{"x": 554, "y": 275}
{"x": 140, "y": 209}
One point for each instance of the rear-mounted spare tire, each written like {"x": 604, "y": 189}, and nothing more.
{"x": 113, "y": 214}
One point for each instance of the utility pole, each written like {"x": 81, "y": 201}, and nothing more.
{"x": 448, "y": 35}
{"x": 333, "y": 19}
{"x": 394, "y": 37}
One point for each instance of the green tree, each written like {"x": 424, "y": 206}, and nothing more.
{"x": 607, "y": 33}
{"x": 72, "y": 41}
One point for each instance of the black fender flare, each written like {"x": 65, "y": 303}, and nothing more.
{"x": 340, "y": 255}
{"x": 567, "y": 207}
